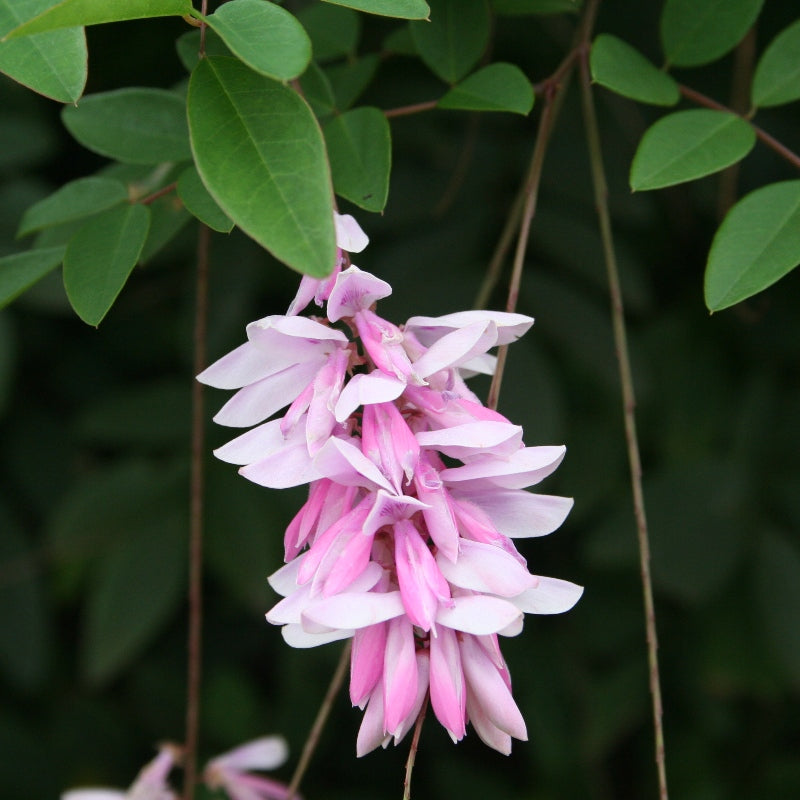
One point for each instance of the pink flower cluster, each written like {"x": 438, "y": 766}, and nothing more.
{"x": 416, "y": 493}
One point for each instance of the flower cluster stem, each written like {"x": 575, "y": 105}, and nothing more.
{"x": 629, "y": 405}
{"x": 319, "y": 723}
{"x": 194, "y": 644}
{"x": 412, "y": 752}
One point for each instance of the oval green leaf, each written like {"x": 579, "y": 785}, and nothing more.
{"x": 20, "y": 271}
{"x": 76, "y": 13}
{"x": 687, "y": 145}
{"x": 498, "y": 87}
{"x": 199, "y": 202}
{"x": 623, "y": 69}
{"x": 455, "y": 38}
{"x": 135, "y": 126}
{"x": 74, "y": 200}
{"x": 777, "y": 76}
{"x": 360, "y": 151}
{"x": 757, "y": 243}
{"x": 264, "y": 36}
{"x": 261, "y": 155}
{"x": 400, "y": 9}
{"x": 350, "y": 79}
{"x": 100, "y": 257}
{"x": 695, "y": 32}
{"x": 334, "y": 30}
{"x": 53, "y": 64}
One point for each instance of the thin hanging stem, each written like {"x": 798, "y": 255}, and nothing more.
{"x": 412, "y": 752}
{"x": 319, "y": 723}
{"x": 194, "y": 644}
{"x": 203, "y": 26}
{"x": 628, "y": 406}
{"x": 414, "y": 108}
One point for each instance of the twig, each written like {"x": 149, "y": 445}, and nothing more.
{"x": 194, "y": 644}
{"x": 769, "y": 140}
{"x": 170, "y": 187}
{"x": 319, "y": 723}
{"x": 412, "y": 752}
{"x": 628, "y": 405}
{"x": 414, "y": 108}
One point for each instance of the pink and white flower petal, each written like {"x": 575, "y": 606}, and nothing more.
{"x": 486, "y": 568}
{"x": 439, "y": 517}
{"x": 349, "y": 235}
{"x": 390, "y": 508}
{"x": 258, "y": 443}
{"x": 448, "y": 689}
{"x": 522, "y": 468}
{"x": 423, "y": 671}
{"x": 389, "y": 443}
{"x": 289, "y": 466}
{"x": 94, "y": 794}
{"x": 296, "y": 636}
{"x": 355, "y": 291}
{"x": 519, "y": 514}
{"x": 352, "y": 610}
{"x": 430, "y": 329}
{"x": 267, "y": 753}
{"x": 367, "y": 388}
{"x": 456, "y": 348}
{"x": 490, "y": 691}
{"x": 478, "y": 614}
{"x": 474, "y": 439}
{"x": 366, "y": 661}
{"x": 549, "y": 596}
{"x": 372, "y": 731}
{"x": 295, "y": 338}
{"x": 488, "y": 733}
{"x": 400, "y": 674}
{"x": 343, "y": 462}
{"x": 383, "y": 342}
{"x": 241, "y": 367}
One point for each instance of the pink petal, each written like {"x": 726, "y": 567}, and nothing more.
{"x": 257, "y": 443}
{"x": 486, "y": 568}
{"x": 295, "y": 636}
{"x": 492, "y": 695}
{"x": 488, "y": 733}
{"x": 305, "y": 294}
{"x": 344, "y": 463}
{"x": 284, "y": 580}
{"x": 523, "y": 468}
{"x": 352, "y": 610}
{"x": 266, "y": 753}
{"x": 94, "y": 794}
{"x": 390, "y": 508}
{"x": 520, "y": 514}
{"x": 372, "y": 731}
{"x": 400, "y": 676}
{"x": 509, "y": 326}
{"x": 262, "y": 399}
{"x": 242, "y": 366}
{"x": 294, "y": 336}
{"x": 478, "y": 614}
{"x": 355, "y": 291}
{"x": 288, "y": 467}
{"x": 550, "y": 596}
{"x": 367, "y": 388}
{"x": 423, "y": 671}
{"x": 366, "y": 661}
{"x": 439, "y": 517}
{"x": 474, "y": 438}
{"x": 448, "y": 692}
{"x": 349, "y": 235}
{"x": 456, "y": 347}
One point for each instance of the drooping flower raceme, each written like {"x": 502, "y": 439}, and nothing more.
{"x": 416, "y": 493}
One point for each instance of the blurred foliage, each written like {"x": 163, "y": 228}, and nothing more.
{"x": 94, "y": 469}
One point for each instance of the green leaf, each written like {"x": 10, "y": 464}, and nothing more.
{"x": 136, "y": 126}
{"x": 75, "y": 13}
{"x": 455, "y": 38}
{"x": 524, "y": 7}
{"x": 99, "y": 258}
{"x": 687, "y": 145}
{"x": 777, "y": 76}
{"x": 360, "y": 151}
{"x": 261, "y": 155}
{"x": 623, "y": 69}
{"x": 334, "y": 30}
{"x": 264, "y": 36}
{"x": 53, "y": 64}
{"x": 349, "y": 80}
{"x": 778, "y": 596}
{"x": 695, "y": 32}
{"x": 137, "y": 586}
{"x": 196, "y": 198}
{"x": 498, "y": 87}
{"x": 20, "y": 271}
{"x": 74, "y": 200}
{"x": 167, "y": 218}
{"x": 188, "y": 47}
{"x": 401, "y": 9}
{"x": 317, "y": 91}
{"x": 757, "y": 243}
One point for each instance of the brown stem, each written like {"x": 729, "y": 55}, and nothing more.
{"x": 319, "y": 723}
{"x": 769, "y": 140}
{"x": 628, "y": 406}
{"x": 412, "y": 752}
{"x": 203, "y": 26}
{"x": 145, "y": 201}
{"x": 414, "y": 108}
{"x": 194, "y": 644}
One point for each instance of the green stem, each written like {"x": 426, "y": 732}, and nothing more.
{"x": 628, "y": 406}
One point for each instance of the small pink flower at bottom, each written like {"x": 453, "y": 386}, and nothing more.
{"x": 231, "y": 770}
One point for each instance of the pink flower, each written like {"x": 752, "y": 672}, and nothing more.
{"x": 232, "y": 770}
{"x": 417, "y": 492}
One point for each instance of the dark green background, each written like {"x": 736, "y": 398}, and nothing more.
{"x": 94, "y": 463}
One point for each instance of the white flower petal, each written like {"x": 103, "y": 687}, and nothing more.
{"x": 522, "y": 468}
{"x": 295, "y": 636}
{"x": 519, "y": 514}
{"x": 462, "y": 441}
{"x": 349, "y": 235}
{"x": 366, "y": 389}
{"x": 344, "y": 463}
{"x": 93, "y": 794}
{"x": 356, "y": 609}
{"x": 550, "y": 596}
{"x": 456, "y": 347}
{"x": 266, "y": 753}
{"x": 509, "y": 326}
{"x": 478, "y": 614}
